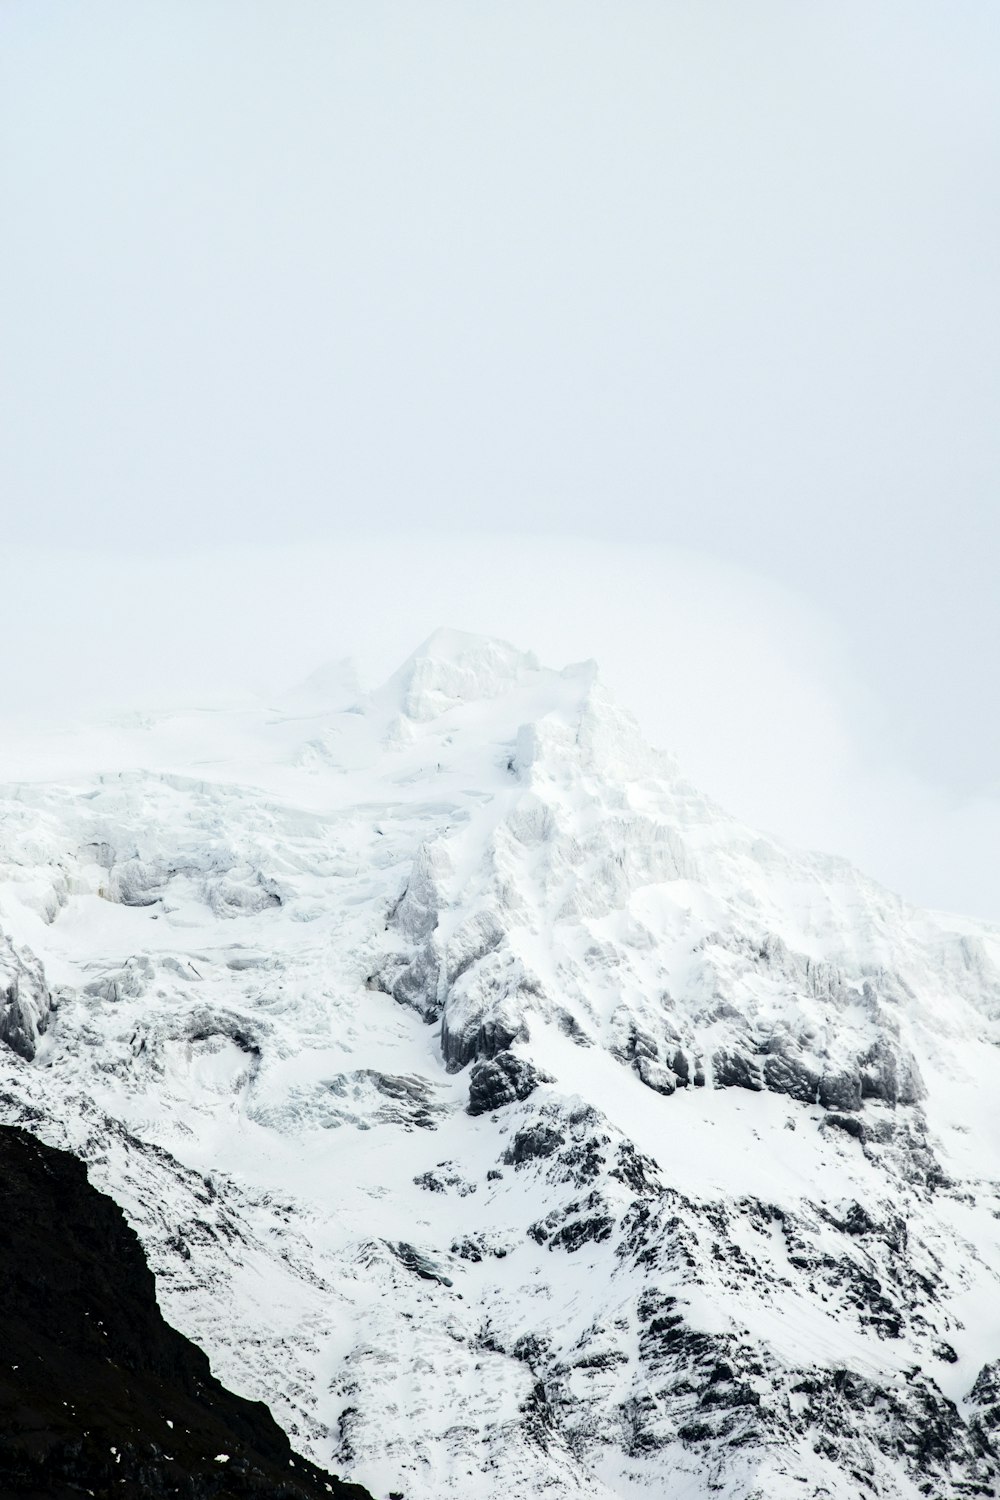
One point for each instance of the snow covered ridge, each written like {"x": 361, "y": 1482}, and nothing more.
{"x": 501, "y": 1112}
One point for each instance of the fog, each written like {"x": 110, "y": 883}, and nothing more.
{"x": 664, "y": 333}
{"x": 753, "y": 690}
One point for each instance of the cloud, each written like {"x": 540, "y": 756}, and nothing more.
{"x": 753, "y": 690}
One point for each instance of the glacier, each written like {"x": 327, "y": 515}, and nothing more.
{"x": 499, "y": 1110}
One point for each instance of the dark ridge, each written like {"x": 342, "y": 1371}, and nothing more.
{"x": 91, "y": 1375}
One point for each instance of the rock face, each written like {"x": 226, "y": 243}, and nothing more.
{"x": 98, "y": 1395}
{"x": 508, "y": 1117}
{"x": 501, "y": 1080}
{"x": 25, "y": 1002}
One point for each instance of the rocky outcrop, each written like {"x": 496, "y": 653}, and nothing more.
{"x": 25, "y": 1001}
{"x": 505, "y": 1079}
{"x": 98, "y": 1394}
{"x": 695, "y": 1399}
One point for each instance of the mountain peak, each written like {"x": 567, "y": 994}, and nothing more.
{"x": 452, "y": 667}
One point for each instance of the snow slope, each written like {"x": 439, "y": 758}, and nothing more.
{"x": 504, "y": 1114}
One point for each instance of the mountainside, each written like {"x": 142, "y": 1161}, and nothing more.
{"x": 98, "y": 1395}
{"x": 501, "y": 1112}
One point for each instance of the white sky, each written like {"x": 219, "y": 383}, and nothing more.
{"x": 705, "y": 297}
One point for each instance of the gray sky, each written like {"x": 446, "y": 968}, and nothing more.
{"x": 717, "y": 284}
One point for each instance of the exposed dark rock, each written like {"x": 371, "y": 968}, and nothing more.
{"x": 470, "y": 1248}
{"x": 409, "y": 1099}
{"x": 890, "y": 1075}
{"x": 205, "y": 1025}
{"x": 840, "y": 1091}
{"x": 630, "y": 1040}
{"x": 853, "y": 1218}
{"x": 609, "y": 1360}
{"x": 416, "y": 985}
{"x": 714, "y": 1389}
{"x": 655, "y": 1076}
{"x": 25, "y": 1002}
{"x": 98, "y": 1394}
{"x": 578, "y": 1232}
{"x": 850, "y": 1124}
{"x": 491, "y": 1037}
{"x": 639, "y": 1173}
{"x": 729, "y": 1392}
{"x": 416, "y": 1261}
{"x": 986, "y": 1391}
{"x": 467, "y": 1249}
{"x": 582, "y": 1223}
{"x": 570, "y": 1026}
{"x": 733, "y": 1070}
{"x": 533, "y": 1142}
{"x": 444, "y": 1179}
{"x": 584, "y": 1160}
{"x": 984, "y": 1400}
{"x": 785, "y": 1074}
{"x": 916, "y": 1425}
{"x": 502, "y": 1080}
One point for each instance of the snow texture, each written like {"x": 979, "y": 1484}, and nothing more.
{"x": 505, "y": 1115}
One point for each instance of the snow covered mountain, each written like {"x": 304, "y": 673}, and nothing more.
{"x": 501, "y": 1112}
